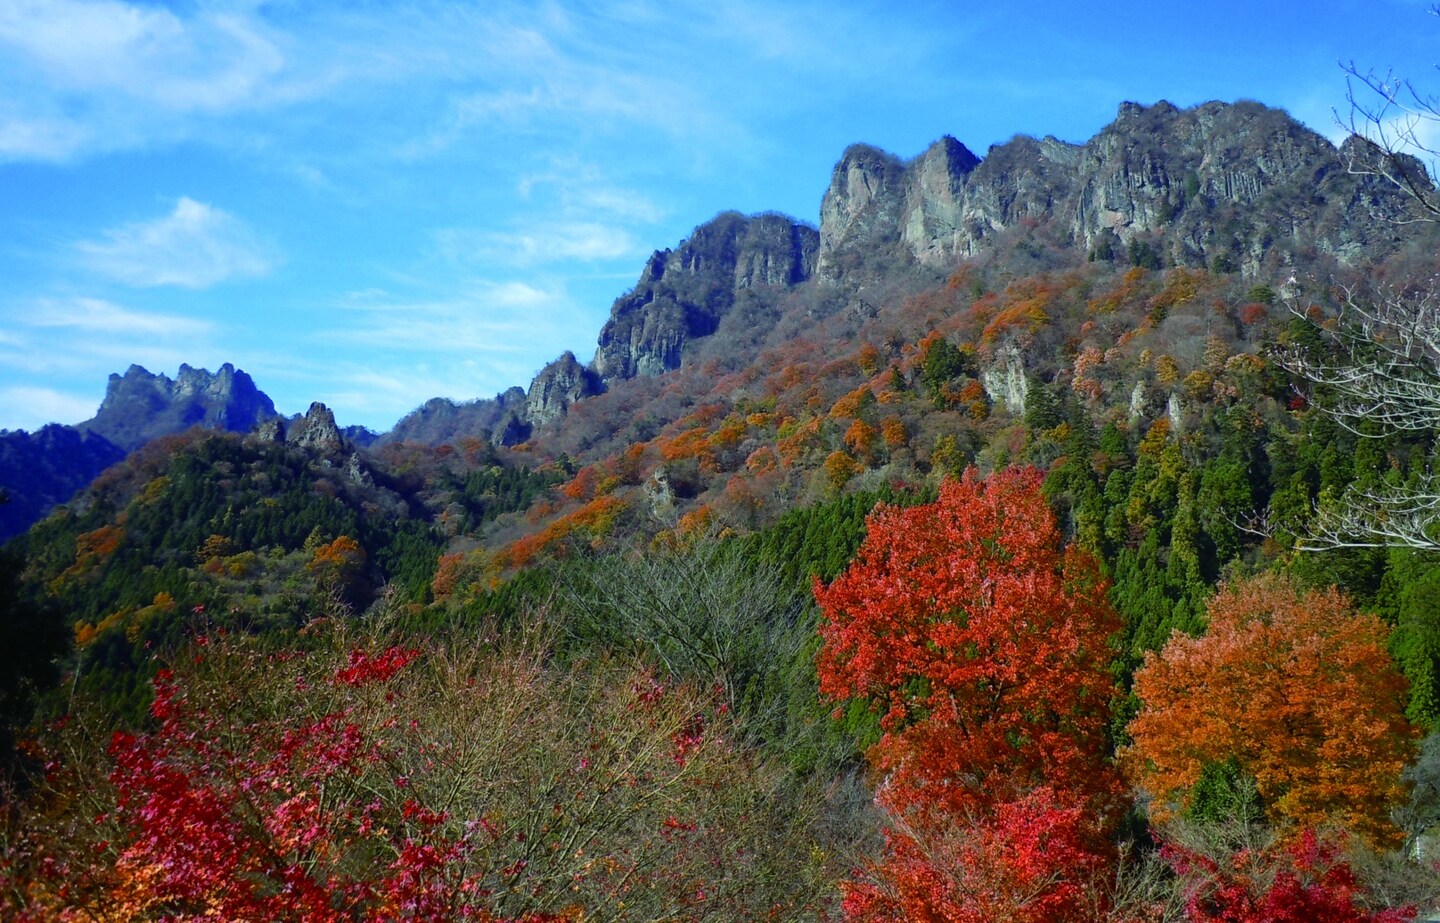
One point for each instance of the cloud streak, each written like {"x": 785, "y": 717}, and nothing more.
{"x": 88, "y": 75}
{"x": 95, "y": 315}
{"x": 195, "y": 246}
{"x": 474, "y": 344}
{"x": 487, "y": 319}
{"x": 562, "y": 242}
{"x": 34, "y": 407}
{"x": 64, "y": 336}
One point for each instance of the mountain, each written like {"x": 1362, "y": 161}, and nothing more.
{"x": 1238, "y": 189}
{"x": 441, "y": 420}
{"x": 684, "y": 293}
{"x": 140, "y": 406}
{"x": 41, "y": 469}
{"x": 1230, "y": 185}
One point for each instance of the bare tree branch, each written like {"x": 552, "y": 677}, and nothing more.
{"x": 1388, "y": 120}
{"x": 1387, "y": 370}
{"x": 1391, "y": 517}
{"x": 1383, "y": 373}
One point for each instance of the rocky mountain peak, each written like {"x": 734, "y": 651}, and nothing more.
{"x": 317, "y": 432}
{"x": 559, "y": 384}
{"x": 1220, "y": 184}
{"x": 684, "y": 293}
{"x": 140, "y": 406}
{"x": 863, "y": 200}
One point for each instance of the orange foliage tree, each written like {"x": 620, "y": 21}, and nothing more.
{"x": 338, "y": 568}
{"x": 1293, "y": 686}
{"x": 894, "y": 432}
{"x": 860, "y": 439}
{"x": 985, "y": 646}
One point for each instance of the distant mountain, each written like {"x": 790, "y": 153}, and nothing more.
{"x": 140, "y": 406}
{"x": 41, "y": 469}
{"x": 441, "y": 420}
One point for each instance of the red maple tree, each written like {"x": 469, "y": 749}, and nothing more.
{"x": 985, "y": 646}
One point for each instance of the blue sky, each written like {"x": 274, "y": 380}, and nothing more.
{"x": 374, "y": 203}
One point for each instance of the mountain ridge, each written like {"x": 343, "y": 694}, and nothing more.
{"x": 1201, "y": 186}
{"x": 1235, "y": 187}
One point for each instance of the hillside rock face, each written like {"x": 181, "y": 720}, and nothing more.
{"x": 683, "y": 293}
{"x": 317, "y": 432}
{"x": 1219, "y": 184}
{"x": 441, "y": 420}
{"x": 559, "y": 384}
{"x": 139, "y": 406}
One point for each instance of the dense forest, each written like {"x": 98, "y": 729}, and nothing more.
{"x": 1059, "y": 584}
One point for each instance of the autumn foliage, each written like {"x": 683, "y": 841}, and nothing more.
{"x": 1295, "y": 687}
{"x": 984, "y": 646}
{"x": 1305, "y": 881}
{"x": 386, "y": 783}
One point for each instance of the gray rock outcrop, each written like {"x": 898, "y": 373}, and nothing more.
{"x": 317, "y": 432}
{"x": 559, "y": 384}
{"x": 1218, "y": 183}
{"x": 139, "y": 406}
{"x": 684, "y": 293}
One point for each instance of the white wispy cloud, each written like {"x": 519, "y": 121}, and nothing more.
{"x": 580, "y": 187}
{"x": 214, "y": 60}
{"x": 96, "y": 315}
{"x": 92, "y": 336}
{"x": 468, "y": 345}
{"x": 585, "y": 241}
{"x": 95, "y": 75}
{"x": 31, "y": 407}
{"x": 485, "y": 319}
{"x": 195, "y": 246}
{"x": 391, "y": 393}
{"x": 89, "y": 76}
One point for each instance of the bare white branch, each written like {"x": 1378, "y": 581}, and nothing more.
{"x": 1390, "y": 517}
{"x": 1387, "y": 370}
{"x": 1389, "y": 121}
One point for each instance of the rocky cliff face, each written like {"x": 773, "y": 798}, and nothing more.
{"x": 559, "y": 384}
{"x": 683, "y": 293}
{"x": 1220, "y": 184}
{"x": 317, "y": 432}
{"x": 139, "y": 406}
{"x": 440, "y": 420}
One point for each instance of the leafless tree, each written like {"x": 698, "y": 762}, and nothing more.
{"x": 1395, "y": 117}
{"x": 702, "y": 612}
{"x": 1384, "y": 369}
{"x": 1383, "y": 376}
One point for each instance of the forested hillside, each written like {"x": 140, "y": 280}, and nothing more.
{"x": 1025, "y": 543}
